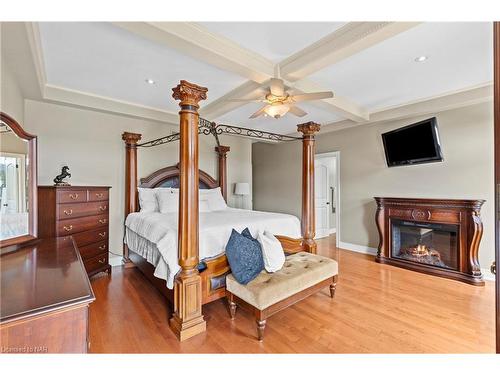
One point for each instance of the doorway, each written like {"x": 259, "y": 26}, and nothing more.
{"x": 327, "y": 194}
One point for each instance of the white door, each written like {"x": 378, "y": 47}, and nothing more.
{"x": 321, "y": 188}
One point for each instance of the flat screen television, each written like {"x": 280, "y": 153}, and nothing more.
{"x": 413, "y": 144}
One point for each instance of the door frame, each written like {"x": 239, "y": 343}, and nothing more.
{"x": 335, "y": 154}
{"x": 496, "y": 84}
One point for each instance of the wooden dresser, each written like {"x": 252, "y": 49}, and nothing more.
{"x": 81, "y": 212}
{"x": 45, "y": 298}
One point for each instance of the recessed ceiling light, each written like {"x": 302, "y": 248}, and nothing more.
{"x": 421, "y": 58}
{"x": 150, "y": 81}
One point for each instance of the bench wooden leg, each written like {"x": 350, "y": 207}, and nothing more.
{"x": 333, "y": 286}
{"x": 261, "y": 326}
{"x": 232, "y": 305}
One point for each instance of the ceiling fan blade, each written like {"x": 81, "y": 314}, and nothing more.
{"x": 311, "y": 96}
{"x": 260, "y": 112}
{"x": 277, "y": 87}
{"x": 247, "y": 100}
{"x": 297, "y": 111}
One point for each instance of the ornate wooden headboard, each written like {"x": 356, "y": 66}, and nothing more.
{"x": 169, "y": 177}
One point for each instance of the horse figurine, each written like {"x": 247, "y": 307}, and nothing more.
{"x": 58, "y": 181}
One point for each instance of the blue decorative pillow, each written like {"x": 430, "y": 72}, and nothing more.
{"x": 245, "y": 257}
{"x": 247, "y": 234}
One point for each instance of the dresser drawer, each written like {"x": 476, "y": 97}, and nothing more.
{"x": 70, "y": 226}
{"x": 96, "y": 263}
{"x": 93, "y": 250}
{"x": 91, "y": 236}
{"x": 71, "y": 196}
{"x": 98, "y": 195}
{"x": 72, "y": 210}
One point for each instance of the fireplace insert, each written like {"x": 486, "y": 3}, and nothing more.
{"x": 426, "y": 243}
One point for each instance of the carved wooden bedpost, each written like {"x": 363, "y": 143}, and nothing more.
{"x": 222, "y": 156}
{"x": 131, "y": 140}
{"x": 187, "y": 319}
{"x": 308, "y": 212}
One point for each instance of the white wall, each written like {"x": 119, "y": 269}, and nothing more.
{"x": 90, "y": 143}
{"x": 467, "y": 172}
{"x": 11, "y": 97}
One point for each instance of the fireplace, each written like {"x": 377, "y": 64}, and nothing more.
{"x": 439, "y": 237}
{"x": 426, "y": 243}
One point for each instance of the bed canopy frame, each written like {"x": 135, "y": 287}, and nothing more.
{"x": 193, "y": 288}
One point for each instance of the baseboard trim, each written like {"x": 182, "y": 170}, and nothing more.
{"x": 487, "y": 275}
{"x": 115, "y": 260}
{"x": 333, "y": 230}
{"x": 358, "y": 248}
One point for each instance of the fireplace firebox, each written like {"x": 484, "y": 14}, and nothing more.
{"x": 439, "y": 237}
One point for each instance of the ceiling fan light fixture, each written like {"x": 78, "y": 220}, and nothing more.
{"x": 277, "y": 110}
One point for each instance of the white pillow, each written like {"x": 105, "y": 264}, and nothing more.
{"x": 204, "y": 205}
{"x": 215, "y": 199}
{"x": 168, "y": 201}
{"x": 272, "y": 251}
{"x": 147, "y": 200}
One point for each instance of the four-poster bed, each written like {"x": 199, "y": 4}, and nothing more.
{"x": 195, "y": 285}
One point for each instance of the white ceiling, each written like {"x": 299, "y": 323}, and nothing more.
{"x": 459, "y": 55}
{"x": 273, "y": 40}
{"x": 102, "y": 59}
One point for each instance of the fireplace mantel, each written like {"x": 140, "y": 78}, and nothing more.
{"x": 453, "y": 231}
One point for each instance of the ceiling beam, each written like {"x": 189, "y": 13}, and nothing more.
{"x": 249, "y": 90}
{"x": 342, "y": 43}
{"x": 337, "y": 104}
{"x": 194, "y": 40}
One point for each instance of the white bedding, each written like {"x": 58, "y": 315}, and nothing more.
{"x": 153, "y": 235}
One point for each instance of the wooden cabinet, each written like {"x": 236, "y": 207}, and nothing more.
{"x": 81, "y": 212}
{"x": 45, "y": 298}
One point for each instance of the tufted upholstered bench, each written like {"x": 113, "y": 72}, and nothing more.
{"x": 302, "y": 274}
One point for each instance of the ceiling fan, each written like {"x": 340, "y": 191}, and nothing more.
{"x": 279, "y": 102}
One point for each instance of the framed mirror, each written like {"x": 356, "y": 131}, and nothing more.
{"x": 18, "y": 183}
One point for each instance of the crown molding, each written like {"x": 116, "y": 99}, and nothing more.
{"x": 33, "y": 33}
{"x": 64, "y": 95}
{"x": 102, "y": 103}
{"x": 451, "y": 100}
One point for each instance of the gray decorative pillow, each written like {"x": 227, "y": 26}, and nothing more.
{"x": 244, "y": 256}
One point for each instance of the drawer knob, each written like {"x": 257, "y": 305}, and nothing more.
{"x": 68, "y": 228}
{"x": 103, "y": 260}
{"x": 74, "y": 196}
{"x": 102, "y": 247}
{"x": 102, "y": 221}
{"x": 103, "y": 208}
{"x": 99, "y": 195}
{"x": 68, "y": 212}
{"x": 102, "y": 234}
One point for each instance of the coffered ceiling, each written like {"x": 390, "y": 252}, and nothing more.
{"x": 370, "y": 67}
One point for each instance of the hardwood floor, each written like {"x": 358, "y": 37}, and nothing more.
{"x": 377, "y": 309}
